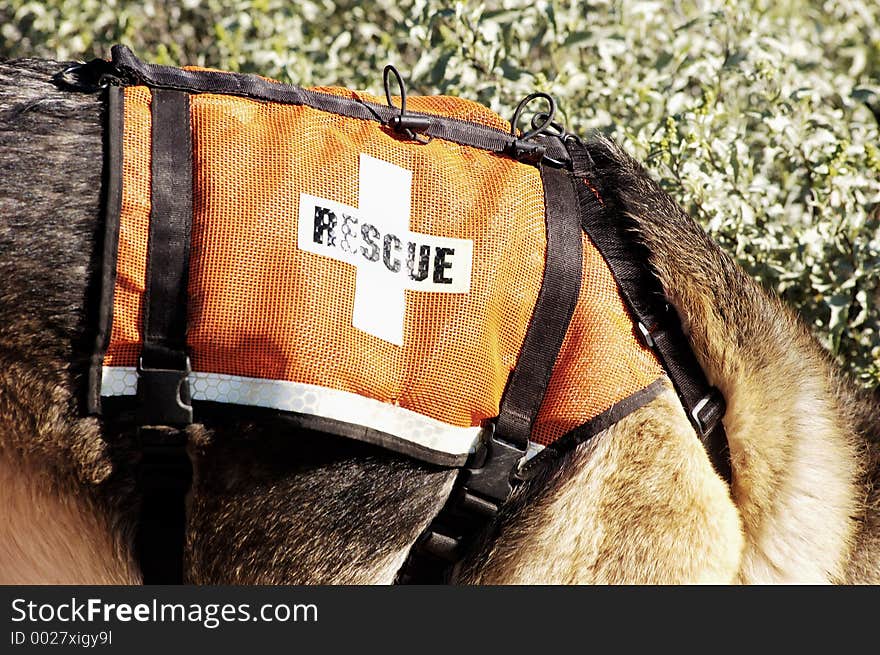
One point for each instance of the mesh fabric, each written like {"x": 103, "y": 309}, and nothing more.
{"x": 261, "y": 307}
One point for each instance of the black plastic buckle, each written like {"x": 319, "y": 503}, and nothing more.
{"x": 411, "y": 126}
{"x": 163, "y": 396}
{"x": 708, "y": 411}
{"x": 482, "y": 487}
{"x": 527, "y": 152}
{"x": 406, "y": 125}
{"x": 650, "y": 324}
{"x": 494, "y": 466}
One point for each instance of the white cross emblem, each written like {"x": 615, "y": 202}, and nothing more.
{"x": 375, "y": 238}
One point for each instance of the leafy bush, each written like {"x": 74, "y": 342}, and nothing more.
{"x": 760, "y": 117}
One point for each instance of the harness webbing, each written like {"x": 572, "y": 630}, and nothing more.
{"x": 486, "y": 482}
{"x": 112, "y": 208}
{"x": 126, "y": 64}
{"x": 163, "y": 393}
{"x": 657, "y": 322}
{"x": 164, "y": 476}
{"x": 560, "y": 288}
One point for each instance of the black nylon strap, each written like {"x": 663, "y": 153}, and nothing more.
{"x": 554, "y": 308}
{"x": 484, "y": 485}
{"x": 133, "y": 70}
{"x": 112, "y": 190}
{"x": 658, "y": 324}
{"x": 586, "y": 431}
{"x": 164, "y": 477}
{"x": 703, "y": 403}
{"x": 163, "y": 394}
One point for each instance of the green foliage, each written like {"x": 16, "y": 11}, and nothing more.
{"x": 759, "y": 116}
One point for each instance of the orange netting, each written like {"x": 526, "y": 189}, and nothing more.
{"x": 261, "y": 307}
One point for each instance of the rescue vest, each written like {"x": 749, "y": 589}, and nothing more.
{"x": 394, "y": 285}
{"x": 423, "y": 277}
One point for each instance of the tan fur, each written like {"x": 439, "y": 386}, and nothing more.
{"x": 642, "y": 505}
{"x": 796, "y": 461}
{"x": 797, "y": 467}
{"x": 797, "y": 447}
{"x": 50, "y": 535}
{"x": 864, "y": 567}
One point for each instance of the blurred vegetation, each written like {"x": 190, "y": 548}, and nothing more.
{"x": 759, "y": 116}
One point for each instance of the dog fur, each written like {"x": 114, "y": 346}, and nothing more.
{"x": 270, "y": 504}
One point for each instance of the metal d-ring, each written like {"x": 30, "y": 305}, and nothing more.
{"x": 541, "y": 121}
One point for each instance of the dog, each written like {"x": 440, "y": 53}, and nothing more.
{"x": 638, "y": 503}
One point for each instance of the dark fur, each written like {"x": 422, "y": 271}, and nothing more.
{"x": 49, "y": 143}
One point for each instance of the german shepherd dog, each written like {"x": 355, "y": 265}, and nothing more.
{"x": 639, "y": 503}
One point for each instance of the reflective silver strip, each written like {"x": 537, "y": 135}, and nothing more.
{"x": 310, "y": 399}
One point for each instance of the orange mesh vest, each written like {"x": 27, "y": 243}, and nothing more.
{"x": 398, "y": 288}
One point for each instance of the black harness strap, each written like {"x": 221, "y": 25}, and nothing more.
{"x": 163, "y": 393}
{"x": 554, "y": 308}
{"x": 486, "y": 481}
{"x": 704, "y": 404}
{"x": 112, "y": 189}
{"x": 132, "y": 70}
{"x": 164, "y": 477}
{"x": 658, "y": 324}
